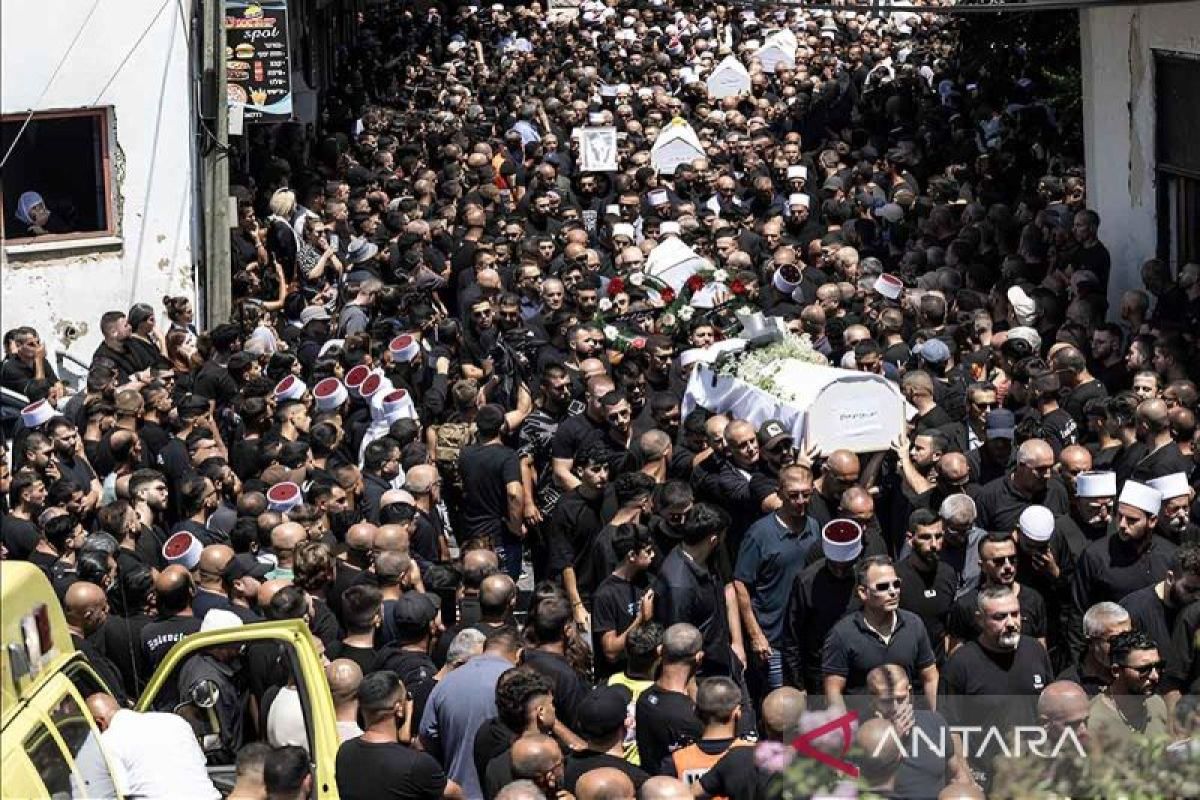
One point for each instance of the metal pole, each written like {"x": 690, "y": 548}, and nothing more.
{"x": 217, "y": 300}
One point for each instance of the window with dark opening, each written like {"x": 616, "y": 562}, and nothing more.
{"x": 57, "y": 182}
{"x": 1177, "y": 96}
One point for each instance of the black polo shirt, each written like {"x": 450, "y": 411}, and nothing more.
{"x": 689, "y": 592}
{"x": 614, "y": 607}
{"x": 1112, "y": 568}
{"x": 569, "y": 687}
{"x": 853, "y": 649}
{"x": 1000, "y": 503}
{"x": 928, "y": 593}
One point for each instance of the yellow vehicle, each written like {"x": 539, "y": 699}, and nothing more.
{"x": 49, "y": 743}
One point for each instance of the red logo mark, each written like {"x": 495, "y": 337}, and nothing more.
{"x": 804, "y": 743}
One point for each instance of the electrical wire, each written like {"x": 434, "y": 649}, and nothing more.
{"x": 49, "y": 83}
{"x": 953, "y": 10}
{"x": 132, "y": 50}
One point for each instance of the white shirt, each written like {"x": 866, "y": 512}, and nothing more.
{"x": 157, "y": 755}
{"x": 285, "y": 720}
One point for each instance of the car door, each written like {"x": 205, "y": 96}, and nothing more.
{"x": 307, "y": 669}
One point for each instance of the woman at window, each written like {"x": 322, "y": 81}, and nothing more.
{"x": 282, "y": 242}
{"x": 184, "y": 358}
{"x": 35, "y": 218}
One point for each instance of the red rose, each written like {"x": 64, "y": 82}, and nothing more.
{"x": 638, "y": 344}
{"x": 615, "y": 287}
{"x": 695, "y": 283}
{"x": 738, "y": 288}
{"x": 667, "y": 295}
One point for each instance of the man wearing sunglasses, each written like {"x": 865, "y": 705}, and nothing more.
{"x": 1129, "y": 705}
{"x": 997, "y": 568}
{"x": 879, "y": 633}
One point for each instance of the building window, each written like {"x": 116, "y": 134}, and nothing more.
{"x": 61, "y": 158}
{"x": 1177, "y": 96}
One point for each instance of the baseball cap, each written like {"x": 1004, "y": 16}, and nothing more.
{"x": 1001, "y": 424}
{"x": 934, "y": 351}
{"x": 412, "y": 614}
{"x": 602, "y": 710}
{"x": 244, "y": 564}
{"x": 772, "y": 433}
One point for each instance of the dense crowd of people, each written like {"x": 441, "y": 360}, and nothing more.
{"x": 445, "y": 427}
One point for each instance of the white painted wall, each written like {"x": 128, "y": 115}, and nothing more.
{"x": 1118, "y": 123}
{"x": 150, "y": 97}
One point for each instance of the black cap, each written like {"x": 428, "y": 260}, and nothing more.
{"x": 602, "y": 711}
{"x": 244, "y": 564}
{"x": 412, "y": 613}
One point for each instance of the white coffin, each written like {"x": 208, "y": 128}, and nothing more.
{"x": 676, "y": 144}
{"x": 830, "y": 408}
{"x": 779, "y": 50}
{"x": 730, "y": 78}
{"x": 673, "y": 262}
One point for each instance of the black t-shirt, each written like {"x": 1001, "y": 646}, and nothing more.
{"x": 569, "y": 687}
{"x": 986, "y": 688}
{"x": 160, "y": 636}
{"x": 1111, "y": 568}
{"x": 573, "y": 434}
{"x": 736, "y": 775}
{"x": 930, "y": 595}
{"x": 486, "y": 472}
{"x": 368, "y": 771}
{"x": 214, "y": 382}
{"x": 365, "y": 657}
{"x": 20, "y": 536}
{"x": 614, "y": 607}
{"x": 413, "y": 667}
{"x": 962, "y": 625}
{"x": 666, "y": 721}
{"x": 572, "y": 533}
{"x": 582, "y": 761}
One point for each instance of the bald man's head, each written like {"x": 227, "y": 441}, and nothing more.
{"x": 496, "y": 595}
{"x": 285, "y": 537}
{"x": 664, "y": 787}
{"x": 1154, "y": 415}
{"x": 478, "y": 564}
{"x": 962, "y": 791}
{"x": 605, "y": 783}
{"x": 1061, "y": 706}
{"x": 781, "y": 712}
{"x": 880, "y": 750}
{"x": 173, "y": 589}
{"x": 360, "y": 536}
{"x": 857, "y": 502}
{"x": 1075, "y": 459}
{"x": 103, "y": 707}
{"x": 392, "y": 539}
{"x": 213, "y": 560}
{"x": 840, "y": 472}
{"x": 953, "y": 468}
{"x": 533, "y": 755}
{"x": 86, "y": 606}
{"x": 344, "y": 677}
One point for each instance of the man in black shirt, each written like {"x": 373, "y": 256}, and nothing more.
{"x": 623, "y": 602}
{"x": 1155, "y": 608}
{"x": 524, "y": 704}
{"x": 600, "y": 720}
{"x": 417, "y": 621}
{"x": 578, "y": 431}
{"x": 821, "y": 595}
{"x": 1094, "y": 670}
{"x": 689, "y": 590}
{"x": 997, "y": 567}
{"x": 1001, "y": 501}
{"x": 994, "y": 680}
{"x": 927, "y": 584}
{"x": 1175, "y": 518}
{"x": 1130, "y": 558}
{"x": 376, "y": 764}
{"x": 879, "y": 633}
{"x": 174, "y": 592}
{"x": 494, "y": 497}
{"x": 664, "y": 714}
{"x": 572, "y": 531}
{"x": 552, "y": 624}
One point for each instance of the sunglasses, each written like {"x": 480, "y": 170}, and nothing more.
{"x": 1146, "y": 669}
{"x": 887, "y": 586}
{"x": 1000, "y": 561}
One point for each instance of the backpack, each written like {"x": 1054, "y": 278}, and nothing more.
{"x": 450, "y": 439}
